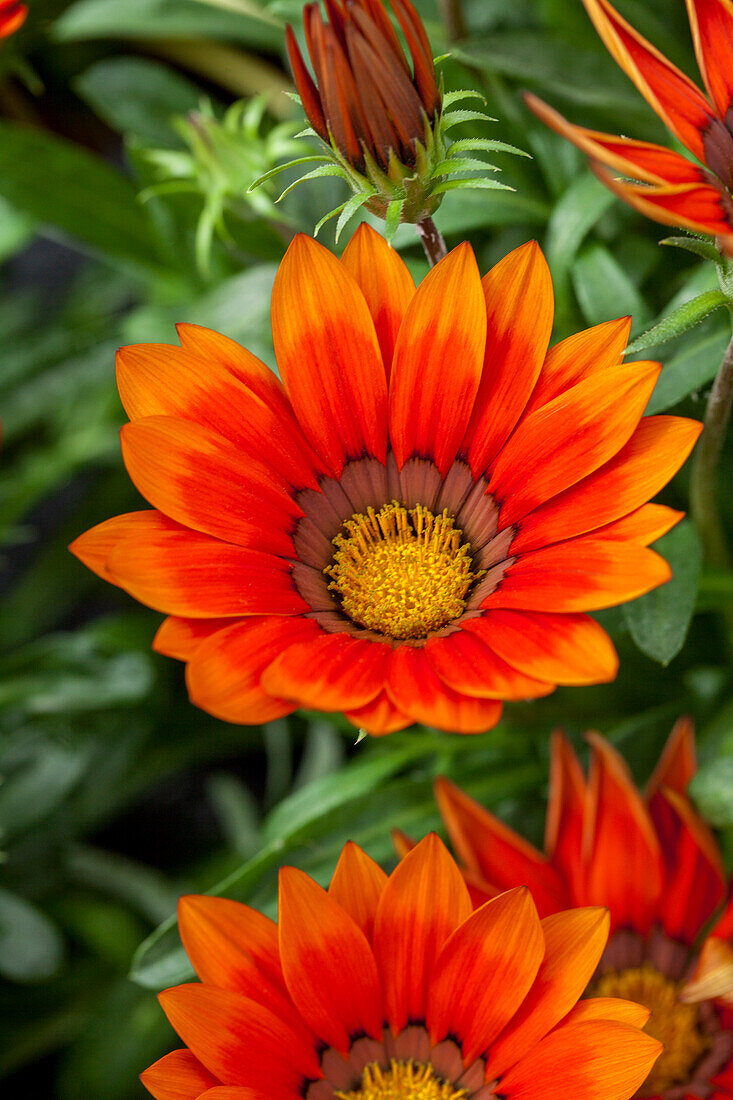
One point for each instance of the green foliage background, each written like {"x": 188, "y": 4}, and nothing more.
{"x": 116, "y": 794}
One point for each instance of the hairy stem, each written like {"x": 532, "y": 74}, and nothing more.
{"x": 703, "y": 489}
{"x": 432, "y": 240}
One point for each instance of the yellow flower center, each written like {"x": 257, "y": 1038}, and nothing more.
{"x": 675, "y": 1024}
{"x": 401, "y": 573}
{"x": 402, "y": 1081}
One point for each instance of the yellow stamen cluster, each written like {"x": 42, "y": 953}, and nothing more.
{"x": 675, "y": 1024}
{"x": 402, "y": 1081}
{"x": 401, "y": 573}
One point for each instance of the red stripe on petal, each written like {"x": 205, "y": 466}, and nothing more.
{"x": 565, "y": 814}
{"x": 465, "y": 662}
{"x": 379, "y": 717}
{"x": 437, "y": 362}
{"x": 329, "y": 672}
{"x": 712, "y": 31}
{"x": 698, "y": 207}
{"x": 416, "y": 689}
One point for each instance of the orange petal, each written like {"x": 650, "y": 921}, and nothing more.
{"x": 201, "y": 480}
{"x": 485, "y": 971}
{"x": 224, "y": 674}
{"x": 180, "y": 638}
{"x": 651, "y": 457}
{"x": 415, "y": 689}
{"x": 160, "y": 380}
{"x": 94, "y": 547}
{"x": 240, "y": 1041}
{"x": 641, "y": 160}
{"x": 712, "y": 978}
{"x": 357, "y": 886}
{"x": 645, "y": 525}
{"x": 519, "y": 305}
{"x": 437, "y": 362}
{"x": 574, "y": 943}
{"x": 712, "y": 31}
{"x": 559, "y": 649}
{"x": 328, "y": 965}
{"x": 329, "y": 672}
{"x": 492, "y": 850}
{"x": 385, "y": 282}
{"x": 678, "y": 762}
{"x": 596, "y": 1059}
{"x": 698, "y": 207}
{"x": 466, "y": 664}
{"x": 723, "y": 926}
{"x": 580, "y": 356}
{"x": 177, "y": 1076}
{"x": 424, "y": 901}
{"x": 609, "y": 1008}
{"x": 678, "y": 102}
{"x": 624, "y": 867}
{"x": 12, "y": 19}
{"x": 328, "y": 355}
{"x": 562, "y": 442}
{"x": 565, "y": 812}
{"x": 379, "y": 717}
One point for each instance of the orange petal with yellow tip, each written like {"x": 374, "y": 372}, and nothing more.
{"x": 328, "y": 355}
{"x": 577, "y": 357}
{"x": 384, "y": 281}
{"x": 492, "y": 850}
{"x": 94, "y": 547}
{"x": 678, "y": 102}
{"x": 561, "y": 649}
{"x": 583, "y": 574}
{"x": 574, "y": 943}
{"x": 239, "y": 1041}
{"x": 624, "y": 866}
{"x": 379, "y": 717}
{"x": 180, "y": 638}
{"x": 609, "y": 1008}
{"x": 465, "y": 662}
{"x": 437, "y": 362}
{"x": 712, "y": 32}
{"x": 565, "y": 812}
{"x": 655, "y": 452}
{"x": 329, "y": 672}
{"x": 600, "y": 1060}
{"x": 416, "y": 689}
{"x": 519, "y": 305}
{"x": 678, "y": 762}
{"x": 328, "y": 964}
{"x": 424, "y": 901}
{"x": 485, "y": 971}
{"x": 160, "y": 380}
{"x": 572, "y": 436}
{"x": 224, "y": 674}
{"x": 357, "y": 886}
{"x": 712, "y": 978}
{"x": 641, "y": 160}
{"x": 177, "y": 1076}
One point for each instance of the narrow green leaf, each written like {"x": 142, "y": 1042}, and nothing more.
{"x": 681, "y": 320}
{"x": 31, "y": 948}
{"x": 317, "y": 173}
{"x": 572, "y": 218}
{"x": 392, "y": 221}
{"x": 453, "y": 118}
{"x": 282, "y": 167}
{"x": 466, "y": 93}
{"x": 690, "y": 370}
{"x": 462, "y": 164}
{"x": 659, "y": 621}
{"x": 465, "y": 145}
{"x": 477, "y": 184}
{"x": 349, "y": 209}
{"x": 699, "y": 246}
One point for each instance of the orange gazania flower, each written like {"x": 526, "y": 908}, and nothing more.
{"x": 656, "y": 865}
{"x": 393, "y": 987}
{"x": 673, "y": 190}
{"x": 413, "y": 526}
{"x": 12, "y": 17}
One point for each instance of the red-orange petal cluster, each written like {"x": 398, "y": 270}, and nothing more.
{"x": 383, "y": 977}
{"x": 437, "y": 413}
{"x": 647, "y": 856}
{"x": 366, "y": 98}
{"x": 12, "y": 16}
{"x": 671, "y": 189}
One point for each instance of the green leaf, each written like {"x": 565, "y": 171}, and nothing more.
{"x": 603, "y": 288}
{"x": 450, "y": 98}
{"x": 479, "y": 184}
{"x": 317, "y": 173}
{"x": 690, "y": 370}
{"x": 31, "y": 948}
{"x": 90, "y": 201}
{"x": 465, "y": 145}
{"x": 681, "y": 320}
{"x": 392, "y": 221}
{"x": 659, "y": 621}
{"x": 712, "y": 790}
{"x": 703, "y": 248}
{"x": 462, "y": 164}
{"x": 453, "y": 118}
{"x": 282, "y": 167}
{"x": 348, "y": 210}
{"x": 573, "y": 217}
{"x": 16, "y": 230}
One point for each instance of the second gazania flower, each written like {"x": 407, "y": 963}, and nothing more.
{"x": 413, "y": 526}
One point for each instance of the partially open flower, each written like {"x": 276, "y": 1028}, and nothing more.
{"x": 12, "y": 17}
{"x": 384, "y": 988}
{"x": 656, "y": 865}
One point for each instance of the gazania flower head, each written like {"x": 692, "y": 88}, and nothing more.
{"x": 412, "y": 527}
{"x": 671, "y": 189}
{"x": 12, "y": 17}
{"x": 380, "y": 117}
{"x": 392, "y": 987}
{"x": 655, "y": 864}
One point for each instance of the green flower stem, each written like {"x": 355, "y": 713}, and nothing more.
{"x": 432, "y": 240}
{"x": 703, "y": 489}
{"x": 454, "y": 20}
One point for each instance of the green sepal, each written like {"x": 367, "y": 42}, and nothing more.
{"x": 282, "y": 168}
{"x": 477, "y": 184}
{"x": 462, "y": 164}
{"x": 317, "y": 173}
{"x": 466, "y": 145}
{"x": 393, "y": 218}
